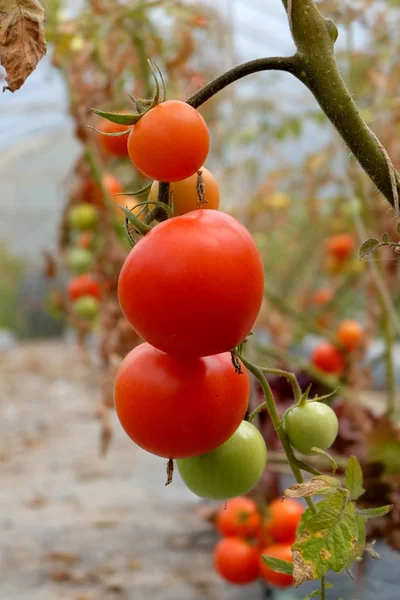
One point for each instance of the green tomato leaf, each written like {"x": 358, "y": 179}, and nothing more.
{"x": 317, "y": 593}
{"x": 307, "y": 514}
{"x": 368, "y": 246}
{"x": 277, "y": 564}
{"x": 354, "y": 478}
{"x": 319, "y": 485}
{"x": 374, "y": 513}
{"x": 385, "y": 238}
{"x": 328, "y": 541}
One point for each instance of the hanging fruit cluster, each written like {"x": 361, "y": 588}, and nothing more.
{"x": 191, "y": 287}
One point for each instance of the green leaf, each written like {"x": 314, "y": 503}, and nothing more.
{"x": 276, "y": 564}
{"x": 354, "y": 478}
{"x": 142, "y": 190}
{"x": 385, "y": 238}
{"x": 116, "y": 134}
{"x": 307, "y": 514}
{"x": 116, "y": 117}
{"x": 362, "y": 536}
{"x": 374, "y": 513}
{"x": 318, "y": 485}
{"x": 368, "y": 246}
{"x": 328, "y": 540}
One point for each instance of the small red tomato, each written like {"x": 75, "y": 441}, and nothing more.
{"x": 114, "y": 145}
{"x": 83, "y": 285}
{"x": 238, "y": 517}
{"x": 179, "y": 407}
{"x": 283, "y": 552}
{"x": 170, "y": 142}
{"x": 349, "y": 334}
{"x": 322, "y": 296}
{"x": 237, "y": 561}
{"x": 341, "y": 246}
{"x": 328, "y": 358}
{"x": 283, "y": 518}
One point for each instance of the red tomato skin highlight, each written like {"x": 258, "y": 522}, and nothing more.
{"x": 207, "y": 272}
{"x": 179, "y": 408}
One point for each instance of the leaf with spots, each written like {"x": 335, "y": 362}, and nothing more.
{"x": 328, "y": 541}
{"x": 22, "y": 42}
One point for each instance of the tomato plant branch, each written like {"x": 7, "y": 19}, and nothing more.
{"x": 314, "y": 64}
{"x": 276, "y": 421}
{"x": 289, "y": 376}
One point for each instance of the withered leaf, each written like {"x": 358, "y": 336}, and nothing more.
{"x": 319, "y": 485}
{"x": 22, "y": 41}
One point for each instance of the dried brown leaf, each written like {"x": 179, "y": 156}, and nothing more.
{"x": 22, "y": 41}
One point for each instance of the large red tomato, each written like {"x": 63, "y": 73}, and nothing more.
{"x": 194, "y": 284}
{"x": 179, "y": 408}
{"x": 170, "y": 142}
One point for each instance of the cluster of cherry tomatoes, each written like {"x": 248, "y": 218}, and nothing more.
{"x": 191, "y": 288}
{"x": 248, "y": 534}
{"x": 331, "y": 358}
{"x": 83, "y": 290}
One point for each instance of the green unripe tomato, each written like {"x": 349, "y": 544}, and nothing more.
{"x": 79, "y": 260}
{"x": 82, "y": 216}
{"x": 312, "y": 425}
{"x": 85, "y": 308}
{"x": 230, "y": 470}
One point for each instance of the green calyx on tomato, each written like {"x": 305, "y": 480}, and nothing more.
{"x": 230, "y": 470}
{"x": 312, "y": 424}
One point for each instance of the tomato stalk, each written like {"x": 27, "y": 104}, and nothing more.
{"x": 276, "y": 420}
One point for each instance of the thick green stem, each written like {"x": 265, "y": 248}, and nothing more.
{"x": 289, "y": 376}
{"x": 276, "y": 420}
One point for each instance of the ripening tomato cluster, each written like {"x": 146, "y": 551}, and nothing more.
{"x": 83, "y": 290}
{"x": 331, "y": 358}
{"x": 191, "y": 288}
{"x": 248, "y": 534}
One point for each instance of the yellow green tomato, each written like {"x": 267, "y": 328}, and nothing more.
{"x": 313, "y": 424}
{"x": 230, "y": 470}
{"x": 82, "y": 216}
{"x": 79, "y": 260}
{"x": 85, "y": 308}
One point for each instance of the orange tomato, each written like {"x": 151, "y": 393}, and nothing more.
{"x": 237, "y": 561}
{"x": 239, "y": 517}
{"x": 349, "y": 334}
{"x": 322, "y": 296}
{"x": 328, "y": 358}
{"x": 113, "y": 145}
{"x": 283, "y": 552}
{"x": 283, "y": 518}
{"x": 170, "y": 142}
{"x": 341, "y": 246}
{"x": 184, "y": 193}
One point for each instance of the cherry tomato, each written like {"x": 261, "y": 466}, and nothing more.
{"x": 237, "y": 561}
{"x": 349, "y": 334}
{"x": 178, "y": 408}
{"x": 328, "y": 358}
{"x": 341, "y": 246}
{"x": 283, "y": 552}
{"x": 79, "y": 260}
{"x": 82, "y": 216}
{"x": 313, "y": 424}
{"x": 85, "y": 307}
{"x": 283, "y": 518}
{"x": 239, "y": 517}
{"x": 184, "y": 193}
{"x": 113, "y": 145}
{"x": 170, "y": 142}
{"x": 322, "y": 296}
{"x": 111, "y": 186}
{"x": 85, "y": 239}
{"x": 233, "y": 468}
{"x": 194, "y": 284}
{"x": 83, "y": 285}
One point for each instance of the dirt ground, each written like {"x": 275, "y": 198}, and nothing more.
{"x": 75, "y": 526}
